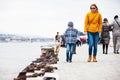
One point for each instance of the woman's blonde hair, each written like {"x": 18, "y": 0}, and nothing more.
{"x": 94, "y": 6}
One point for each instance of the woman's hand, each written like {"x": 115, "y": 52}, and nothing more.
{"x": 85, "y": 33}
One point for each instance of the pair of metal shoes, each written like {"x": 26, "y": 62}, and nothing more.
{"x": 49, "y": 78}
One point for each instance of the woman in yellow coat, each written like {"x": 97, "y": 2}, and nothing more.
{"x": 92, "y": 27}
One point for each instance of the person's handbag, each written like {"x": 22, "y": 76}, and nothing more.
{"x": 100, "y": 41}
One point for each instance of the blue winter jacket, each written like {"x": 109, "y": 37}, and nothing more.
{"x": 71, "y": 35}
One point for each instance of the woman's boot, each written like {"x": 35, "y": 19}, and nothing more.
{"x": 106, "y": 48}
{"x": 89, "y": 58}
{"x": 103, "y": 48}
{"x": 94, "y": 59}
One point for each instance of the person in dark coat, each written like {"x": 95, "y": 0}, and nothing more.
{"x": 105, "y": 35}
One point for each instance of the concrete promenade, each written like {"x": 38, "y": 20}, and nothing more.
{"x": 107, "y": 67}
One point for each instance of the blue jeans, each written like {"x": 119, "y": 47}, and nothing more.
{"x": 93, "y": 42}
{"x": 69, "y": 51}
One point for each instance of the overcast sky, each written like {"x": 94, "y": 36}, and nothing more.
{"x": 46, "y": 17}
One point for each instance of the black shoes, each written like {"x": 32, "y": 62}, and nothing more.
{"x": 116, "y": 52}
{"x": 105, "y": 53}
{"x": 69, "y": 61}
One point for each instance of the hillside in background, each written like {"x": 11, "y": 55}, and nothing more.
{"x": 23, "y": 38}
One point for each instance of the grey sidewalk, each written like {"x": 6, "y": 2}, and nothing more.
{"x": 107, "y": 67}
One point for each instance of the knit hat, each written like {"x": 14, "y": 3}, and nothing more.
{"x": 70, "y": 24}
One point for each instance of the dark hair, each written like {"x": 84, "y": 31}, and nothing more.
{"x": 94, "y": 5}
{"x": 105, "y": 20}
{"x": 57, "y": 32}
{"x": 116, "y": 16}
